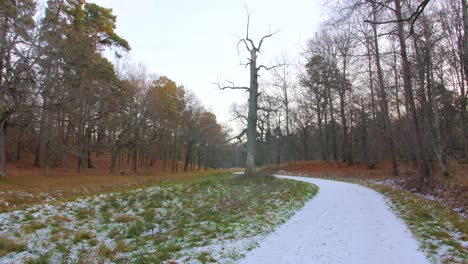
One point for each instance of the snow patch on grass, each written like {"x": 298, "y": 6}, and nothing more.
{"x": 442, "y": 232}
{"x": 211, "y": 220}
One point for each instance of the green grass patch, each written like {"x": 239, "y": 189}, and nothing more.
{"x": 439, "y": 229}
{"x": 169, "y": 221}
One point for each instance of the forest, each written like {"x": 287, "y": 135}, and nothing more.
{"x": 352, "y": 150}
{"x": 381, "y": 81}
{"x": 63, "y": 100}
{"x": 378, "y": 82}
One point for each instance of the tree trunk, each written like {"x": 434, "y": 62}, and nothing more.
{"x": 371, "y": 78}
{"x": 3, "y": 136}
{"x": 320, "y": 129}
{"x": 252, "y": 116}
{"x": 89, "y": 163}
{"x": 327, "y": 137}
{"x": 19, "y": 146}
{"x": 383, "y": 96}
{"x": 333, "y": 126}
{"x": 364, "y": 148}
{"x": 113, "y": 158}
{"x": 135, "y": 159}
{"x": 346, "y": 148}
{"x": 423, "y": 164}
{"x": 397, "y": 87}
{"x": 463, "y": 101}
{"x": 40, "y": 137}
{"x": 188, "y": 155}
{"x": 345, "y": 145}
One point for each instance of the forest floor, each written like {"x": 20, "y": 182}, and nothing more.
{"x": 215, "y": 218}
{"x": 26, "y": 185}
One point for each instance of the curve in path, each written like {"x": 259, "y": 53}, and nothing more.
{"x": 344, "y": 223}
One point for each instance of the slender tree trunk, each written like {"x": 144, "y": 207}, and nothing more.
{"x": 40, "y": 137}
{"x": 383, "y": 96}
{"x": 19, "y": 146}
{"x": 135, "y": 159}
{"x": 113, "y": 158}
{"x": 364, "y": 148}
{"x": 371, "y": 78}
{"x": 164, "y": 157}
{"x": 305, "y": 144}
{"x": 432, "y": 113}
{"x": 320, "y": 126}
{"x": 423, "y": 164}
{"x": 60, "y": 139}
{"x": 80, "y": 142}
{"x": 288, "y": 136}
{"x": 188, "y": 155}
{"x": 327, "y": 137}
{"x": 174, "y": 150}
{"x": 90, "y": 164}
{"x": 397, "y": 86}
{"x": 3, "y": 137}
{"x": 345, "y": 146}
{"x": 463, "y": 101}
{"x": 333, "y": 126}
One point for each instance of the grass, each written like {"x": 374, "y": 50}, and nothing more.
{"x": 214, "y": 218}
{"x": 8, "y": 245}
{"x": 440, "y": 230}
{"x": 25, "y": 187}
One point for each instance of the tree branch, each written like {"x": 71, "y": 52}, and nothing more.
{"x": 269, "y": 68}
{"x": 412, "y": 18}
{"x": 246, "y": 45}
{"x": 238, "y": 137}
{"x": 231, "y": 86}
{"x": 264, "y": 37}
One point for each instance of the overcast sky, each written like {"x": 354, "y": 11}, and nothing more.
{"x": 194, "y": 42}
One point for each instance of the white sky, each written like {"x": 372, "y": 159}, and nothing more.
{"x": 194, "y": 42}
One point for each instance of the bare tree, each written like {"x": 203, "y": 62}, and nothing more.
{"x": 282, "y": 79}
{"x": 251, "y": 131}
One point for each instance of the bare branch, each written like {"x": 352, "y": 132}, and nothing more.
{"x": 246, "y": 64}
{"x": 246, "y": 46}
{"x": 231, "y": 86}
{"x": 412, "y": 18}
{"x": 248, "y": 21}
{"x": 266, "y": 36}
{"x": 267, "y": 109}
{"x": 238, "y": 137}
{"x": 269, "y": 68}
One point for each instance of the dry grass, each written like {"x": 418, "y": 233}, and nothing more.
{"x": 27, "y": 185}
{"x": 8, "y": 245}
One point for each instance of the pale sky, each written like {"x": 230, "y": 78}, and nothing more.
{"x": 194, "y": 42}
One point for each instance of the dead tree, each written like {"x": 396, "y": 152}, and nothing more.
{"x": 254, "y": 50}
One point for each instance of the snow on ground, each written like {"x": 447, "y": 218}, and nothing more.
{"x": 211, "y": 220}
{"x": 344, "y": 223}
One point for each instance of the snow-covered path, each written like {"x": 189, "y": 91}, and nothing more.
{"x": 344, "y": 223}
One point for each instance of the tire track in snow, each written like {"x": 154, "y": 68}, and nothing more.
{"x": 344, "y": 223}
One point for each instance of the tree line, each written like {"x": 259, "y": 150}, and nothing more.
{"x": 379, "y": 81}
{"x": 60, "y": 97}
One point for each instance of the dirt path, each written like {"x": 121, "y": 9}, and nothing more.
{"x": 344, "y": 223}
